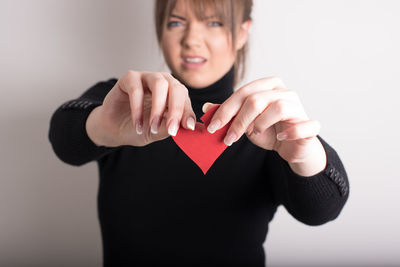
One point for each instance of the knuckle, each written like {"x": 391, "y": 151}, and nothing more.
{"x": 245, "y": 90}
{"x": 165, "y": 74}
{"x": 295, "y": 131}
{"x": 160, "y": 82}
{"x": 177, "y": 108}
{"x": 254, "y": 102}
{"x": 274, "y": 79}
{"x": 175, "y": 114}
{"x": 157, "y": 76}
{"x": 280, "y": 107}
{"x": 130, "y": 73}
{"x": 128, "y": 80}
{"x": 257, "y": 129}
{"x": 276, "y": 82}
{"x": 240, "y": 126}
{"x": 181, "y": 88}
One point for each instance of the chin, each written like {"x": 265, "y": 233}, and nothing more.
{"x": 196, "y": 80}
{"x": 198, "y": 84}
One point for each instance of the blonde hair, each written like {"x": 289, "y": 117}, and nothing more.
{"x": 232, "y": 14}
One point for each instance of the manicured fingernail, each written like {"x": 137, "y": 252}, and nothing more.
{"x": 205, "y": 105}
{"x": 281, "y": 136}
{"x": 173, "y": 127}
{"x": 214, "y": 126}
{"x": 229, "y": 139}
{"x": 154, "y": 125}
{"x": 139, "y": 127}
{"x": 190, "y": 123}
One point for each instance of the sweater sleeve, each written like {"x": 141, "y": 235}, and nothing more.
{"x": 67, "y": 131}
{"x": 313, "y": 200}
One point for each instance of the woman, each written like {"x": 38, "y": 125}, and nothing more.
{"x": 155, "y": 205}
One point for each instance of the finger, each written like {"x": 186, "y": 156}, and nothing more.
{"x": 254, "y": 105}
{"x": 158, "y": 86}
{"x": 225, "y": 112}
{"x": 267, "y": 83}
{"x": 251, "y": 108}
{"x": 250, "y": 129}
{"x": 188, "y": 117}
{"x": 207, "y": 106}
{"x": 132, "y": 85}
{"x": 233, "y": 104}
{"x": 280, "y": 110}
{"x": 302, "y": 130}
{"x": 177, "y": 96}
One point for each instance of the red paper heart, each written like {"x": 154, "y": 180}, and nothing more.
{"x": 201, "y": 146}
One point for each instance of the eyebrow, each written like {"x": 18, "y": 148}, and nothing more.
{"x": 182, "y": 18}
{"x": 178, "y": 17}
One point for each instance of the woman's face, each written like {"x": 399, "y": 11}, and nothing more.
{"x": 198, "y": 52}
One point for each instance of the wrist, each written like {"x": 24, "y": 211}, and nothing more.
{"x": 96, "y": 131}
{"x": 314, "y": 164}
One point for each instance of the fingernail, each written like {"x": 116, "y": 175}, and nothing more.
{"x": 281, "y": 136}
{"x": 190, "y": 123}
{"x": 229, "y": 139}
{"x": 205, "y": 107}
{"x": 139, "y": 127}
{"x": 154, "y": 125}
{"x": 173, "y": 127}
{"x": 214, "y": 126}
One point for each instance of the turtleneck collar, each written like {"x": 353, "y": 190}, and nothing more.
{"x": 215, "y": 93}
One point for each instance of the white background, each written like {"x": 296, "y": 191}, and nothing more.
{"x": 342, "y": 57}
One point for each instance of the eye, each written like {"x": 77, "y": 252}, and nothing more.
{"x": 173, "y": 24}
{"x": 214, "y": 24}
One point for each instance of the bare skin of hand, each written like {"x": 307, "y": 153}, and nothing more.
{"x": 265, "y": 110}
{"x": 142, "y": 107}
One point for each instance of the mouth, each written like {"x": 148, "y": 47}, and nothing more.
{"x": 193, "y": 62}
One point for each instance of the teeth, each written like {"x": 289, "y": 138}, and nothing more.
{"x": 194, "y": 60}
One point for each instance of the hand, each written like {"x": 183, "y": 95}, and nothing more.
{"x": 265, "y": 110}
{"x": 139, "y": 109}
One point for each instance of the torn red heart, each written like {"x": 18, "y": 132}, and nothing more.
{"x": 201, "y": 146}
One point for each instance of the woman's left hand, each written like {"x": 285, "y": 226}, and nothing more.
{"x": 266, "y": 111}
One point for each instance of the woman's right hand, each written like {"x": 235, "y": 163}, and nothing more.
{"x": 141, "y": 108}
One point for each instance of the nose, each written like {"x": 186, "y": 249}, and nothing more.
{"x": 193, "y": 36}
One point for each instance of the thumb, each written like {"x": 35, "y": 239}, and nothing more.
{"x": 207, "y": 106}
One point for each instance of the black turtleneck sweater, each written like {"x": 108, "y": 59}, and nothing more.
{"x": 156, "y": 207}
